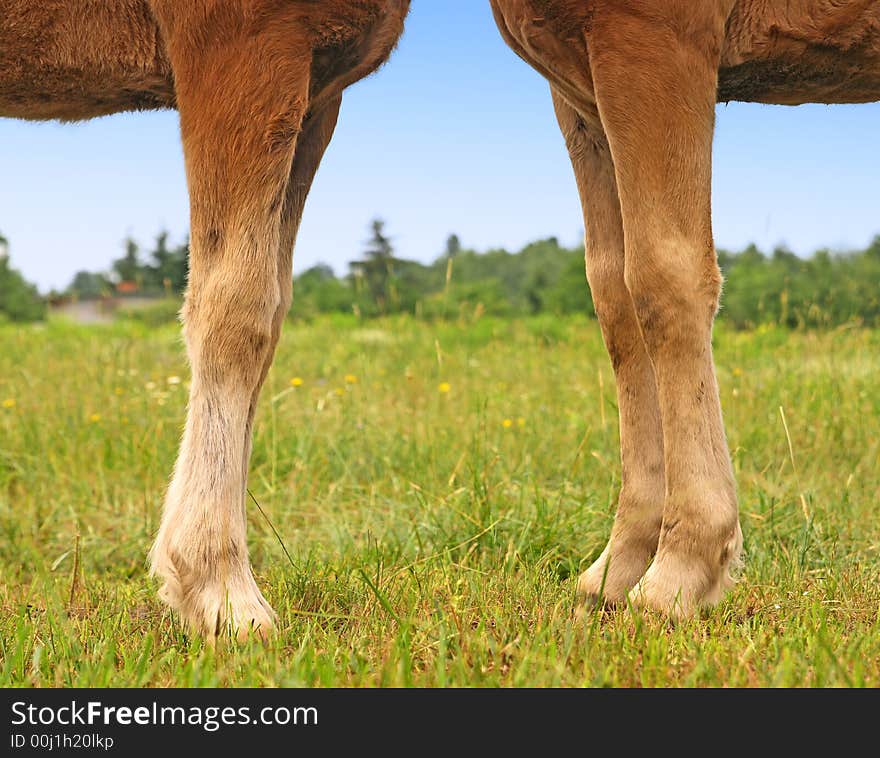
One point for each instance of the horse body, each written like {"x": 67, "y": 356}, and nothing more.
{"x": 766, "y": 51}
{"x": 77, "y": 59}
{"x": 811, "y": 51}
{"x": 258, "y": 84}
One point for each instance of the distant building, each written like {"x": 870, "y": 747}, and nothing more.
{"x": 127, "y": 288}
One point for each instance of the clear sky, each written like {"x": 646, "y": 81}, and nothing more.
{"x": 455, "y": 134}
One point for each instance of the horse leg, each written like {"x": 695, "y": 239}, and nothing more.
{"x": 656, "y": 101}
{"x": 317, "y": 131}
{"x": 640, "y": 506}
{"x": 242, "y": 109}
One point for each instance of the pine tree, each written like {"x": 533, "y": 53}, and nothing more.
{"x": 453, "y": 246}
{"x": 128, "y": 267}
{"x": 377, "y": 268}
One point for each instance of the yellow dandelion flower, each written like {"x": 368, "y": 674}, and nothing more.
{"x": 737, "y": 371}
{"x": 296, "y": 382}
{"x": 351, "y": 379}
{"x": 443, "y": 387}
{"x": 507, "y": 423}
{"x": 118, "y": 391}
{"x": 339, "y": 391}
{"x": 520, "y": 422}
{"x": 9, "y": 403}
{"x": 95, "y": 418}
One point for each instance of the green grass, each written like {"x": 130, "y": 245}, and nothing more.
{"x": 435, "y": 537}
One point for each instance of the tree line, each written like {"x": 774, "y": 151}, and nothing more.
{"x": 161, "y": 270}
{"x": 824, "y": 290}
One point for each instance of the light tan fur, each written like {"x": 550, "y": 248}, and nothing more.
{"x": 635, "y": 83}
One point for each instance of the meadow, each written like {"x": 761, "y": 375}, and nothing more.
{"x": 424, "y": 497}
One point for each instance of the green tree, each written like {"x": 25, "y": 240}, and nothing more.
{"x": 128, "y": 267}
{"x": 19, "y": 300}
{"x": 375, "y": 272}
{"x": 317, "y": 290}
{"x": 453, "y": 246}
{"x": 88, "y": 286}
{"x": 168, "y": 267}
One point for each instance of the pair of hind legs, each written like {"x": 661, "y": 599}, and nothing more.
{"x": 640, "y": 144}
{"x": 251, "y": 153}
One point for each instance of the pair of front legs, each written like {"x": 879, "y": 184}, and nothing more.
{"x": 641, "y": 152}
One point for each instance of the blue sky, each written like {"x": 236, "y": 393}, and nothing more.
{"x": 456, "y": 134}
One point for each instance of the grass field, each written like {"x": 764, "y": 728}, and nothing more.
{"x": 438, "y": 489}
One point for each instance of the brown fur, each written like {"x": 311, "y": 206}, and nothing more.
{"x": 258, "y": 84}
{"x": 635, "y": 84}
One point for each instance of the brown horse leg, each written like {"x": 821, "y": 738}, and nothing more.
{"x": 656, "y": 101}
{"x": 640, "y": 507}
{"x": 242, "y": 106}
{"x": 313, "y": 140}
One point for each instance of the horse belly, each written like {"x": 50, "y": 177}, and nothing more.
{"x": 70, "y": 60}
{"x": 816, "y": 51}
